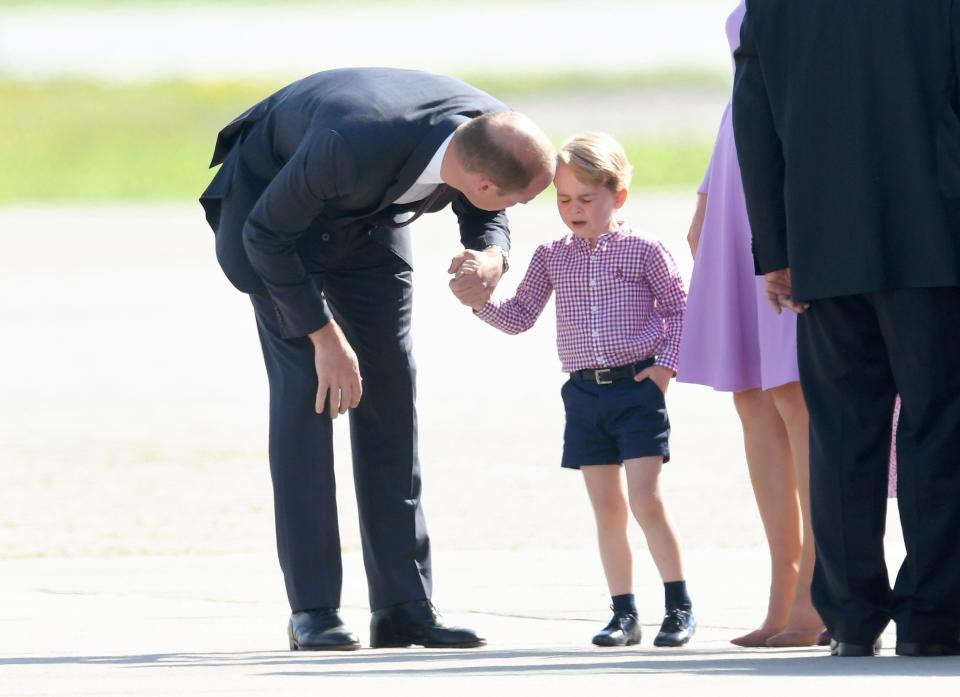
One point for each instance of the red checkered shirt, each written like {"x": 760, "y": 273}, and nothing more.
{"x": 617, "y": 304}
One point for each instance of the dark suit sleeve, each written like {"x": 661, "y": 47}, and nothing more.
{"x": 318, "y": 171}
{"x": 955, "y": 27}
{"x": 761, "y": 155}
{"x": 480, "y": 228}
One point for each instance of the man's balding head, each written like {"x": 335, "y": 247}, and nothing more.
{"x": 508, "y": 153}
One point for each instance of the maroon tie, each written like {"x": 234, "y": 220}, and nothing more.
{"x": 386, "y": 219}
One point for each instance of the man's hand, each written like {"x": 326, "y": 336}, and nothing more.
{"x": 338, "y": 371}
{"x": 468, "y": 268}
{"x": 475, "y": 275}
{"x": 779, "y": 289}
{"x": 660, "y": 375}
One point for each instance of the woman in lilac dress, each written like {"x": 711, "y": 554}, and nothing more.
{"x": 734, "y": 342}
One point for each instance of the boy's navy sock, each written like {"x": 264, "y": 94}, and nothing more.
{"x": 676, "y": 596}
{"x": 625, "y": 604}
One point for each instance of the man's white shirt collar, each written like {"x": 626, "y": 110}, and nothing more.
{"x": 429, "y": 178}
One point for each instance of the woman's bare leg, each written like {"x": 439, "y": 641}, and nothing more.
{"x": 803, "y": 622}
{"x": 773, "y": 477}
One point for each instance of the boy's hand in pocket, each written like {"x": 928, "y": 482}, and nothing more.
{"x": 661, "y": 376}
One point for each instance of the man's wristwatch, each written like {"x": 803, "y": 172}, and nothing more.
{"x": 503, "y": 254}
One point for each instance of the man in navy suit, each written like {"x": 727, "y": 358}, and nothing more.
{"x": 310, "y": 206}
{"x": 847, "y": 120}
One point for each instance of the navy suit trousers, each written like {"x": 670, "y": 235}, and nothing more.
{"x": 856, "y": 353}
{"x": 369, "y": 290}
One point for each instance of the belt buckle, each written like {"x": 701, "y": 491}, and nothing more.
{"x": 599, "y": 381}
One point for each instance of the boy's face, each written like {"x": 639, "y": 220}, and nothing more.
{"x": 587, "y": 209}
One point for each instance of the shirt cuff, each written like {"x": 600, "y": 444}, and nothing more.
{"x": 668, "y": 360}
{"x": 487, "y": 313}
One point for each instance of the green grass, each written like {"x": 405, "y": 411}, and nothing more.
{"x": 82, "y": 141}
{"x": 659, "y": 164}
{"x": 517, "y": 84}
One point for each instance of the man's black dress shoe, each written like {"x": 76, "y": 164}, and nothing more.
{"x": 320, "y": 630}
{"x": 417, "y": 622}
{"x": 849, "y": 649}
{"x": 928, "y": 648}
{"x": 622, "y": 630}
{"x": 677, "y": 628}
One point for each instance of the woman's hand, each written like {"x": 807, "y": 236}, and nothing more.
{"x": 696, "y": 226}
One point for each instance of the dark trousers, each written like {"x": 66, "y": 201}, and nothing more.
{"x": 370, "y": 292}
{"x": 856, "y": 353}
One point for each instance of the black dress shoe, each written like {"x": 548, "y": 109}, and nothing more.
{"x": 677, "y": 628}
{"x": 320, "y": 630}
{"x": 849, "y": 649}
{"x": 622, "y": 630}
{"x": 417, "y": 622}
{"x": 928, "y": 648}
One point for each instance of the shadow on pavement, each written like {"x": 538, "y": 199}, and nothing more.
{"x": 544, "y": 662}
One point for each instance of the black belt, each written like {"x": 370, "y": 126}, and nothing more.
{"x": 608, "y": 376}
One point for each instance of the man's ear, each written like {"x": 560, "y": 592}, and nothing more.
{"x": 484, "y": 184}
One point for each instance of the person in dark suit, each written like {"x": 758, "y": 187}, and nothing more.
{"x": 310, "y": 206}
{"x": 847, "y": 126}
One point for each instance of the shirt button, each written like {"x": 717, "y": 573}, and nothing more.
{"x": 593, "y": 283}
{"x": 593, "y": 309}
{"x": 325, "y": 237}
{"x": 595, "y": 333}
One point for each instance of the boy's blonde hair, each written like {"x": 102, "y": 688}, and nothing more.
{"x": 597, "y": 158}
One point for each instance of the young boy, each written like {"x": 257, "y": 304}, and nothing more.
{"x": 620, "y": 303}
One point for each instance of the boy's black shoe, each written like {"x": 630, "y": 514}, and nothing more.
{"x": 623, "y": 630}
{"x": 677, "y": 628}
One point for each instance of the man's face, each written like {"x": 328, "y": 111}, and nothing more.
{"x": 485, "y": 195}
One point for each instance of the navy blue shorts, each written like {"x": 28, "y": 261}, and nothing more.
{"x": 607, "y": 424}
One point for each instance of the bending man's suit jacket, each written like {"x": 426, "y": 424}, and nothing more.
{"x": 317, "y": 159}
{"x": 848, "y": 134}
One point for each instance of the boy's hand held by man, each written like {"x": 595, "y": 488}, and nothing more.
{"x": 475, "y": 275}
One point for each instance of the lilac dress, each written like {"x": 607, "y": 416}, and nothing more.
{"x": 732, "y": 340}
